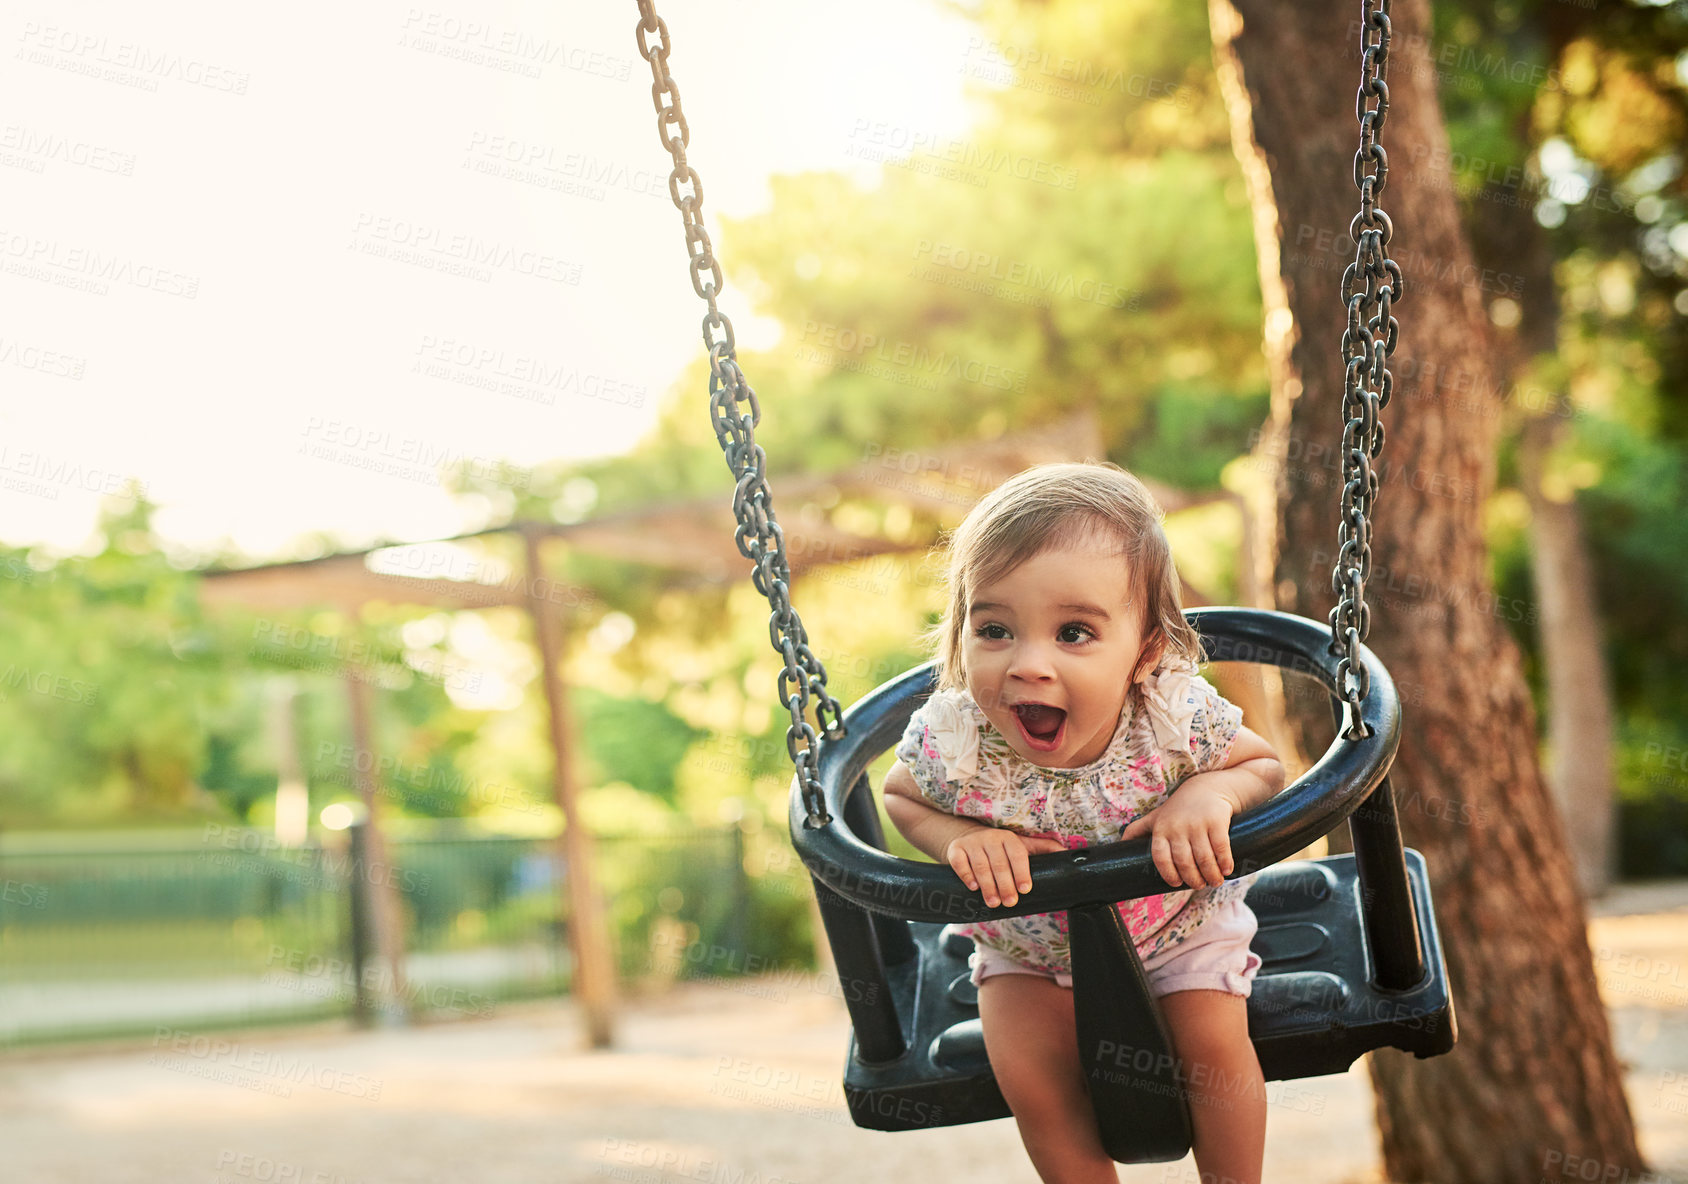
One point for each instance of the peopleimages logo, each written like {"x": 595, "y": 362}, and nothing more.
{"x": 518, "y": 375}
{"x": 35, "y": 257}
{"x": 1064, "y": 76}
{"x": 509, "y": 50}
{"x": 46, "y": 683}
{"x": 850, "y": 349}
{"x": 428, "y": 246}
{"x": 37, "y": 148}
{"x": 28, "y": 896}
{"x": 51, "y": 473}
{"x": 380, "y": 450}
{"x": 882, "y": 141}
{"x": 96, "y": 53}
{"x": 41, "y": 361}
{"x": 996, "y": 271}
{"x": 579, "y": 173}
{"x": 226, "y": 1060}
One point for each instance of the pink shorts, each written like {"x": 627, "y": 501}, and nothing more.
{"x": 1215, "y": 957}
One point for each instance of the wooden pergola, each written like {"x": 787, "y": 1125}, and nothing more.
{"x": 690, "y": 539}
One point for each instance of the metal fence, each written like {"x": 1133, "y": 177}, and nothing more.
{"x": 120, "y": 935}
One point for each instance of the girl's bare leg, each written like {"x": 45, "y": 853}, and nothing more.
{"x": 1032, "y": 1039}
{"x": 1227, "y": 1092}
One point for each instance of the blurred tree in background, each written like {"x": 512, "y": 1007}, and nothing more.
{"x": 110, "y": 673}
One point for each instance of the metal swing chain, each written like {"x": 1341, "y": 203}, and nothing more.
{"x": 1370, "y": 286}
{"x": 759, "y": 537}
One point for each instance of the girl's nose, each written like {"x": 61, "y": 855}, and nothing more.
{"x": 1031, "y": 661}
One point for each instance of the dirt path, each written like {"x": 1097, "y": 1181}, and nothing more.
{"x": 726, "y": 1084}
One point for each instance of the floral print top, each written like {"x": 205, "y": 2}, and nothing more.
{"x": 1178, "y": 726}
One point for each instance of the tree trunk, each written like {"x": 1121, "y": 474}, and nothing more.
{"x": 1566, "y": 609}
{"x": 1534, "y": 1076}
{"x": 1579, "y": 696}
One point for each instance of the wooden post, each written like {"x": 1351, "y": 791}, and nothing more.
{"x": 292, "y": 797}
{"x": 358, "y": 895}
{"x": 594, "y": 970}
{"x": 385, "y": 911}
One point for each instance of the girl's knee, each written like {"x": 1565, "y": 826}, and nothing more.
{"x": 1043, "y": 1090}
{"x": 1037, "y": 1101}
{"x": 1217, "y": 1061}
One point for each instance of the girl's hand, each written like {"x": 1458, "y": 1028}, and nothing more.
{"x": 1192, "y": 835}
{"x": 993, "y": 862}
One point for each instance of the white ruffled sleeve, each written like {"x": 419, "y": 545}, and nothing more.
{"x": 1190, "y": 718}
{"x": 931, "y": 731}
{"x": 946, "y": 752}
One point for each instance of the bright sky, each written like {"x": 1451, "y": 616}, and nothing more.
{"x": 234, "y": 242}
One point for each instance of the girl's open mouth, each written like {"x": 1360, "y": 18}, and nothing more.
{"x": 1041, "y": 725}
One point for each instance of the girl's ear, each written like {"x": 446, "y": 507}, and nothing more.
{"x": 1154, "y": 649}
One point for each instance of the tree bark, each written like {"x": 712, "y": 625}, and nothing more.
{"x": 1566, "y": 609}
{"x": 1579, "y": 696}
{"x": 1534, "y": 1075}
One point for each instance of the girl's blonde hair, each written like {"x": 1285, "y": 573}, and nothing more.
{"x": 1056, "y": 505}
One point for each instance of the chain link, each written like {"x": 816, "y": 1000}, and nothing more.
{"x": 735, "y": 413}
{"x": 1370, "y": 287}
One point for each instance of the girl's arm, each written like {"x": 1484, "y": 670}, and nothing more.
{"x": 1250, "y": 776}
{"x": 1191, "y": 843}
{"x": 921, "y": 823}
{"x": 979, "y": 853}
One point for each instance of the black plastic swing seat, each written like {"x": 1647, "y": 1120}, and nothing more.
{"x": 1312, "y": 1011}
{"x": 1351, "y": 959}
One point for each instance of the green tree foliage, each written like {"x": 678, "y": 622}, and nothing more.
{"x": 632, "y": 740}
{"x": 109, "y": 663}
{"x": 1567, "y": 124}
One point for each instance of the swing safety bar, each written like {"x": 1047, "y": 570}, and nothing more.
{"x": 851, "y": 862}
{"x": 852, "y": 871}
